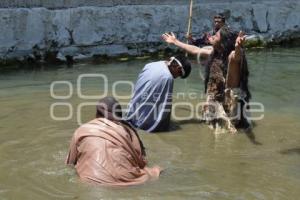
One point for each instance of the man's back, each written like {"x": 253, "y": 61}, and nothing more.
{"x": 151, "y": 102}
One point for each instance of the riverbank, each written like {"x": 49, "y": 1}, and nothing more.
{"x": 56, "y": 33}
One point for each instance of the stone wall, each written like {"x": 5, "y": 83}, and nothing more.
{"x": 57, "y": 4}
{"x": 81, "y": 31}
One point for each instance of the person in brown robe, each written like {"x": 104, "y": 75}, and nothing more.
{"x": 108, "y": 151}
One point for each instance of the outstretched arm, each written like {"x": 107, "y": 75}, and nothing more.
{"x": 170, "y": 38}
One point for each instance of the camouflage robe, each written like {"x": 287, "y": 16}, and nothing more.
{"x": 223, "y": 106}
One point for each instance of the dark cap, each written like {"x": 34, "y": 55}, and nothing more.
{"x": 220, "y": 16}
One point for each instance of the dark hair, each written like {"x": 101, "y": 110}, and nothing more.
{"x": 185, "y": 64}
{"x": 220, "y": 16}
{"x": 228, "y": 38}
{"x": 109, "y": 108}
{"x": 227, "y": 43}
{"x": 244, "y": 77}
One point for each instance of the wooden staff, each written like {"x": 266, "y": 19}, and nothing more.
{"x": 189, "y": 23}
{"x": 188, "y": 33}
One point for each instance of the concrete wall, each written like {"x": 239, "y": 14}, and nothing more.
{"x": 56, "y": 4}
{"x": 85, "y": 31}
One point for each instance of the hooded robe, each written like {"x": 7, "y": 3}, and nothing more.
{"x": 107, "y": 153}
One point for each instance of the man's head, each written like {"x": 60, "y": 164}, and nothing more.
{"x": 219, "y": 22}
{"x": 179, "y": 66}
{"x": 109, "y": 108}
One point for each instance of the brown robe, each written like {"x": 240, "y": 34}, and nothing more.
{"x": 110, "y": 154}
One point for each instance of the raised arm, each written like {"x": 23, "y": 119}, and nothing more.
{"x": 170, "y": 38}
{"x": 234, "y": 63}
{"x": 236, "y": 55}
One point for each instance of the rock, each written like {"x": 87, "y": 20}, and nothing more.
{"x": 61, "y": 57}
{"x": 254, "y": 41}
{"x": 70, "y": 51}
{"x": 115, "y": 50}
{"x": 293, "y": 20}
{"x": 260, "y": 18}
{"x": 81, "y": 57}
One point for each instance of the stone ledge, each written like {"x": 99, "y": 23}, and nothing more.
{"x": 83, "y": 32}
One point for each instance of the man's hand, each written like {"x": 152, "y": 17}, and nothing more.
{"x": 189, "y": 36}
{"x": 240, "y": 40}
{"x": 236, "y": 55}
{"x": 169, "y": 38}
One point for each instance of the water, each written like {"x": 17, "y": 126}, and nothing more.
{"x": 199, "y": 165}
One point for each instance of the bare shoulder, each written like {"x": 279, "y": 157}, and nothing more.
{"x": 234, "y": 57}
{"x": 231, "y": 55}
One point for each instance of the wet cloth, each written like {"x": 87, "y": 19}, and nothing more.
{"x": 224, "y": 107}
{"x": 214, "y": 112}
{"x": 234, "y": 103}
{"x": 150, "y": 107}
{"x": 228, "y": 113}
{"x": 109, "y": 153}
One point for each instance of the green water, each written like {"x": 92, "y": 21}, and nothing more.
{"x": 199, "y": 164}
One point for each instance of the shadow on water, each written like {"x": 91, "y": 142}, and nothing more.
{"x": 290, "y": 151}
{"x": 251, "y": 136}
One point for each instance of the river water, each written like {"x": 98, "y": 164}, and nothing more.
{"x": 198, "y": 164}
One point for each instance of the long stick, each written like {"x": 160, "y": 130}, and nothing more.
{"x": 188, "y": 33}
{"x": 189, "y": 23}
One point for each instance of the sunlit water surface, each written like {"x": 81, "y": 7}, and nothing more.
{"x": 198, "y": 164}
